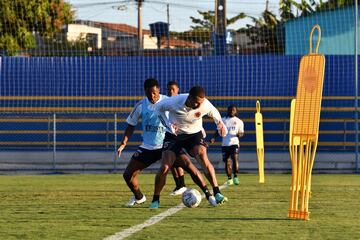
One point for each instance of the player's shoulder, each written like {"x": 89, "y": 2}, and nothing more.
{"x": 162, "y": 97}
{"x": 239, "y": 120}
{"x": 139, "y": 104}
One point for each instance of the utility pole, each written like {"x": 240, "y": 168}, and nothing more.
{"x": 267, "y": 5}
{"x": 220, "y": 27}
{"x": 220, "y": 17}
{"x": 168, "y": 22}
{"x": 140, "y": 33}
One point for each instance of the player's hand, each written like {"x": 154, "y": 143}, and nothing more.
{"x": 222, "y": 130}
{"x": 212, "y": 140}
{"x": 121, "y": 148}
{"x": 174, "y": 128}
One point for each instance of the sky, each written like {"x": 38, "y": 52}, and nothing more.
{"x": 125, "y": 11}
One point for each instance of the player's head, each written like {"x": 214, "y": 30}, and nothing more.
{"x": 152, "y": 89}
{"x": 196, "y": 97}
{"x": 172, "y": 88}
{"x": 231, "y": 111}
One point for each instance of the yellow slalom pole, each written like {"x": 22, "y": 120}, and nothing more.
{"x": 304, "y": 129}
{"x": 259, "y": 142}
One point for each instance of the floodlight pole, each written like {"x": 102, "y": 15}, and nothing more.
{"x": 140, "y": 33}
{"x": 220, "y": 27}
{"x": 168, "y": 22}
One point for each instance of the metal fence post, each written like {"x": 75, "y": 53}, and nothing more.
{"x": 115, "y": 141}
{"x": 356, "y": 88}
{"x": 54, "y": 140}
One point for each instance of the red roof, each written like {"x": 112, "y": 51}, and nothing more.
{"x": 121, "y": 28}
{"x": 178, "y": 43}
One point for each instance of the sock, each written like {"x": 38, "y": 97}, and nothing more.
{"x": 177, "y": 182}
{"x": 216, "y": 190}
{"x": 156, "y": 198}
{"x": 229, "y": 177}
{"x": 181, "y": 181}
{"x": 206, "y": 192}
{"x": 235, "y": 175}
{"x": 138, "y": 194}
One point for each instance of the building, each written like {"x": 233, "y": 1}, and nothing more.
{"x": 337, "y": 32}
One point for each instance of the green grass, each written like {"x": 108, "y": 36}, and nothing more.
{"x": 91, "y": 207}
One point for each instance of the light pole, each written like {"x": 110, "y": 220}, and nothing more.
{"x": 140, "y": 33}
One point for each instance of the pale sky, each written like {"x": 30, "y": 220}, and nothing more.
{"x": 125, "y": 11}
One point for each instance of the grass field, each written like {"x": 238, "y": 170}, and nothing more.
{"x": 91, "y": 207}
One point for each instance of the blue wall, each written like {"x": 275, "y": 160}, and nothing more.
{"x": 233, "y": 76}
{"x": 337, "y": 32}
{"x": 123, "y": 76}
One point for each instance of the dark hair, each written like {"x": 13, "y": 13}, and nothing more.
{"x": 197, "y": 91}
{"x": 151, "y": 82}
{"x": 171, "y": 83}
{"x": 229, "y": 109}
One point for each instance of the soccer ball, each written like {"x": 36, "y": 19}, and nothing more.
{"x": 191, "y": 198}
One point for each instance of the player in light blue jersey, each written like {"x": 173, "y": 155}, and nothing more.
{"x": 150, "y": 149}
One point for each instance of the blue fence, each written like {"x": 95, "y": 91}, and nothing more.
{"x": 240, "y": 79}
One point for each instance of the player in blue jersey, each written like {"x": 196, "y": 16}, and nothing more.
{"x": 150, "y": 149}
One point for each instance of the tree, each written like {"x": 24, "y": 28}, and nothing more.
{"x": 203, "y": 27}
{"x": 20, "y": 19}
{"x": 265, "y": 33}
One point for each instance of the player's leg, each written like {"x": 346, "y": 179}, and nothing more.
{"x": 196, "y": 146}
{"x": 168, "y": 159}
{"x": 228, "y": 164}
{"x": 175, "y": 174}
{"x": 170, "y": 149}
{"x": 235, "y": 164}
{"x": 184, "y": 161}
{"x": 130, "y": 176}
{"x": 179, "y": 179}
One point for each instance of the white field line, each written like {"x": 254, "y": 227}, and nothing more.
{"x": 151, "y": 221}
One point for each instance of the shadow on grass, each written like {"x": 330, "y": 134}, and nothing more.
{"x": 248, "y": 219}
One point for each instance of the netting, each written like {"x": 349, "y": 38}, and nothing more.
{"x": 91, "y": 57}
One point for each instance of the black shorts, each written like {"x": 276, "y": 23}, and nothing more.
{"x": 183, "y": 141}
{"x": 146, "y": 156}
{"x": 228, "y": 151}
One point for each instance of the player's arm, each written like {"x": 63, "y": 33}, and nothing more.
{"x": 132, "y": 121}
{"x": 215, "y": 115}
{"x": 129, "y": 130}
{"x": 213, "y": 139}
{"x": 241, "y": 130}
{"x": 162, "y": 108}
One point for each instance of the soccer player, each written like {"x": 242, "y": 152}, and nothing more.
{"x": 230, "y": 144}
{"x": 177, "y": 172}
{"x": 184, "y": 130}
{"x": 151, "y": 148}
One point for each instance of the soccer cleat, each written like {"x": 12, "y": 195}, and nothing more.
{"x": 236, "y": 181}
{"x": 154, "y": 205}
{"x": 220, "y": 199}
{"x": 133, "y": 201}
{"x": 212, "y": 201}
{"x": 229, "y": 182}
{"x": 178, "y": 191}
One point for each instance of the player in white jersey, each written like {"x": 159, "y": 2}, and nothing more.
{"x": 231, "y": 144}
{"x": 184, "y": 130}
{"x": 150, "y": 149}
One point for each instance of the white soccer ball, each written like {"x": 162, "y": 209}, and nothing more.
{"x": 191, "y": 198}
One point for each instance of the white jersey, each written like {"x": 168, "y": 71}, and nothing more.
{"x": 136, "y": 115}
{"x": 234, "y": 126}
{"x": 187, "y": 120}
